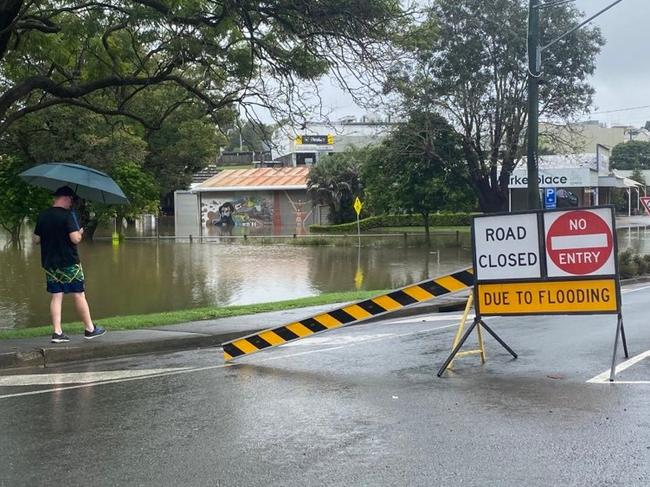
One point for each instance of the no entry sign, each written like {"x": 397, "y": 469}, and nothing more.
{"x": 580, "y": 242}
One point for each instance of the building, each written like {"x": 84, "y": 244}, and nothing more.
{"x": 576, "y": 179}
{"x": 261, "y": 200}
{"x": 584, "y": 136}
{"x": 307, "y": 144}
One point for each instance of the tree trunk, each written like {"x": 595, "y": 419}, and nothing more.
{"x": 13, "y": 230}
{"x": 427, "y": 233}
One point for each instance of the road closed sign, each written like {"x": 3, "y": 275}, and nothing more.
{"x": 506, "y": 247}
{"x": 580, "y": 243}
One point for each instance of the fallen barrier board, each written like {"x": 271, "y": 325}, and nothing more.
{"x": 349, "y": 314}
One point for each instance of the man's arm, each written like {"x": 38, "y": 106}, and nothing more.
{"x": 36, "y": 239}
{"x": 75, "y": 237}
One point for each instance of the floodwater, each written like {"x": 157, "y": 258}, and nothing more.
{"x": 151, "y": 275}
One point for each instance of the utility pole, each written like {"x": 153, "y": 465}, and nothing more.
{"x": 535, "y": 50}
{"x": 534, "y": 67}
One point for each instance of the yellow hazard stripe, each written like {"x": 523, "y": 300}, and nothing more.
{"x": 352, "y": 313}
{"x": 416, "y": 292}
{"x": 450, "y": 283}
{"x": 357, "y": 312}
{"x": 328, "y": 320}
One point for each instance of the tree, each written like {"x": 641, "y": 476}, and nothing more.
{"x": 418, "y": 169}
{"x": 186, "y": 142}
{"x": 103, "y": 56}
{"x": 634, "y": 154}
{"x": 468, "y": 59}
{"x": 250, "y": 136}
{"x": 336, "y": 182}
{"x": 139, "y": 187}
{"x": 19, "y": 200}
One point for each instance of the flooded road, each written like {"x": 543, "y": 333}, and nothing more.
{"x": 153, "y": 275}
{"x": 144, "y": 276}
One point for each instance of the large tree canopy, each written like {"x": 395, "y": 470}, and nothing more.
{"x": 634, "y": 154}
{"x": 469, "y": 61}
{"x": 418, "y": 168}
{"x": 102, "y": 55}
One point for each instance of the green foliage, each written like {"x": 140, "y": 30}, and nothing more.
{"x": 418, "y": 169}
{"x": 71, "y": 134}
{"x": 634, "y": 154}
{"x": 185, "y": 143}
{"x": 19, "y": 200}
{"x": 637, "y": 176}
{"x": 336, "y": 181}
{"x": 249, "y": 136}
{"x": 627, "y": 265}
{"x": 468, "y": 59}
{"x": 387, "y": 221}
{"x": 105, "y": 56}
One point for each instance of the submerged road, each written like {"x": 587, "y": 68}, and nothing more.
{"x": 356, "y": 406}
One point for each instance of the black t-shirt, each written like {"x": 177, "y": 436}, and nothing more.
{"x": 54, "y": 226}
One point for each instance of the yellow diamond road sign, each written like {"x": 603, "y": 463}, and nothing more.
{"x": 357, "y": 205}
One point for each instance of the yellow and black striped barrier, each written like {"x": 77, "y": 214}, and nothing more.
{"x": 352, "y": 313}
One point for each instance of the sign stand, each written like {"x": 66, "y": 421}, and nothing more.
{"x": 478, "y": 321}
{"x": 620, "y": 330}
{"x": 461, "y": 327}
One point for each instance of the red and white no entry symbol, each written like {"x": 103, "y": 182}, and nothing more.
{"x": 579, "y": 242}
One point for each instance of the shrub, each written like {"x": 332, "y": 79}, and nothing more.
{"x": 641, "y": 264}
{"x": 627, "y": 266}
{"x": 435, "y": 220}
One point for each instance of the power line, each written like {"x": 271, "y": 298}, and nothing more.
{"x": 641, "y": 107}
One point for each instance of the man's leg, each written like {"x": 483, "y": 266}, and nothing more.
{"x": 55, "y": 312}
{"x": 81, "y": 305}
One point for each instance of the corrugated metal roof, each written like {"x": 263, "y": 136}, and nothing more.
{"x": 262, "y": 178}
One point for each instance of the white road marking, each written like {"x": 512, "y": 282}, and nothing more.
{"x": 78, "y": 377}
{"x": 625, "y": 291}
{"x": 167, "y": 372}
{"x": 433, "y": 317}
{"x": 604, "y": 377}
{"x": 335, "y": 340}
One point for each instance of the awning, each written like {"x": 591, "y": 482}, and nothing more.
{"x": 616, "y": 181}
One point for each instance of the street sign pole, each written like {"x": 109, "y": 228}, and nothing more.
{"x": 534, "y": 61}
{"x": 357, "y": 208}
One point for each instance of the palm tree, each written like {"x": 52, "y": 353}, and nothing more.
{"x": 335, "y": 181}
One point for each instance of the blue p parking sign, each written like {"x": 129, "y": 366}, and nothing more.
{"x": 550, "y": 198}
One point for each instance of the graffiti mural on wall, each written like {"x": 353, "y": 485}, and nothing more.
{"x": 242, "y": 211}
{"x": 299, "y": 213}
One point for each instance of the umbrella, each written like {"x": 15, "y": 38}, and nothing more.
{"x": 88, "y": 183}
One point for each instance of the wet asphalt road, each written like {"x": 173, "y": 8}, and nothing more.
{"x": 356, "y": 406}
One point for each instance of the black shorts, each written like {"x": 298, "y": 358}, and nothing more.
{"x": 65, "y": 279}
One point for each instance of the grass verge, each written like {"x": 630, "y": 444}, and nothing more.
{"x": 134, "y": 322}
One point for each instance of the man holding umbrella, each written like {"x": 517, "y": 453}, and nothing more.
{"x": 58, "y": 232}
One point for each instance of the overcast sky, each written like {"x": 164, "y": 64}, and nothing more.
{"x": 622, "y": 78}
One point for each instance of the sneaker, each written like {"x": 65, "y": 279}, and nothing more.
{"x": 59, "y": 338}
{"x": 97, "y": 332}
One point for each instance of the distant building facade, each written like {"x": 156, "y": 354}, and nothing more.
{"x": 578, "y": 180}
{"x": 259, "y": 200}
{"x": 307, "y": 144}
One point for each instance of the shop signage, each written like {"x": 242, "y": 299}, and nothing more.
{"x": 556, "y": 178}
